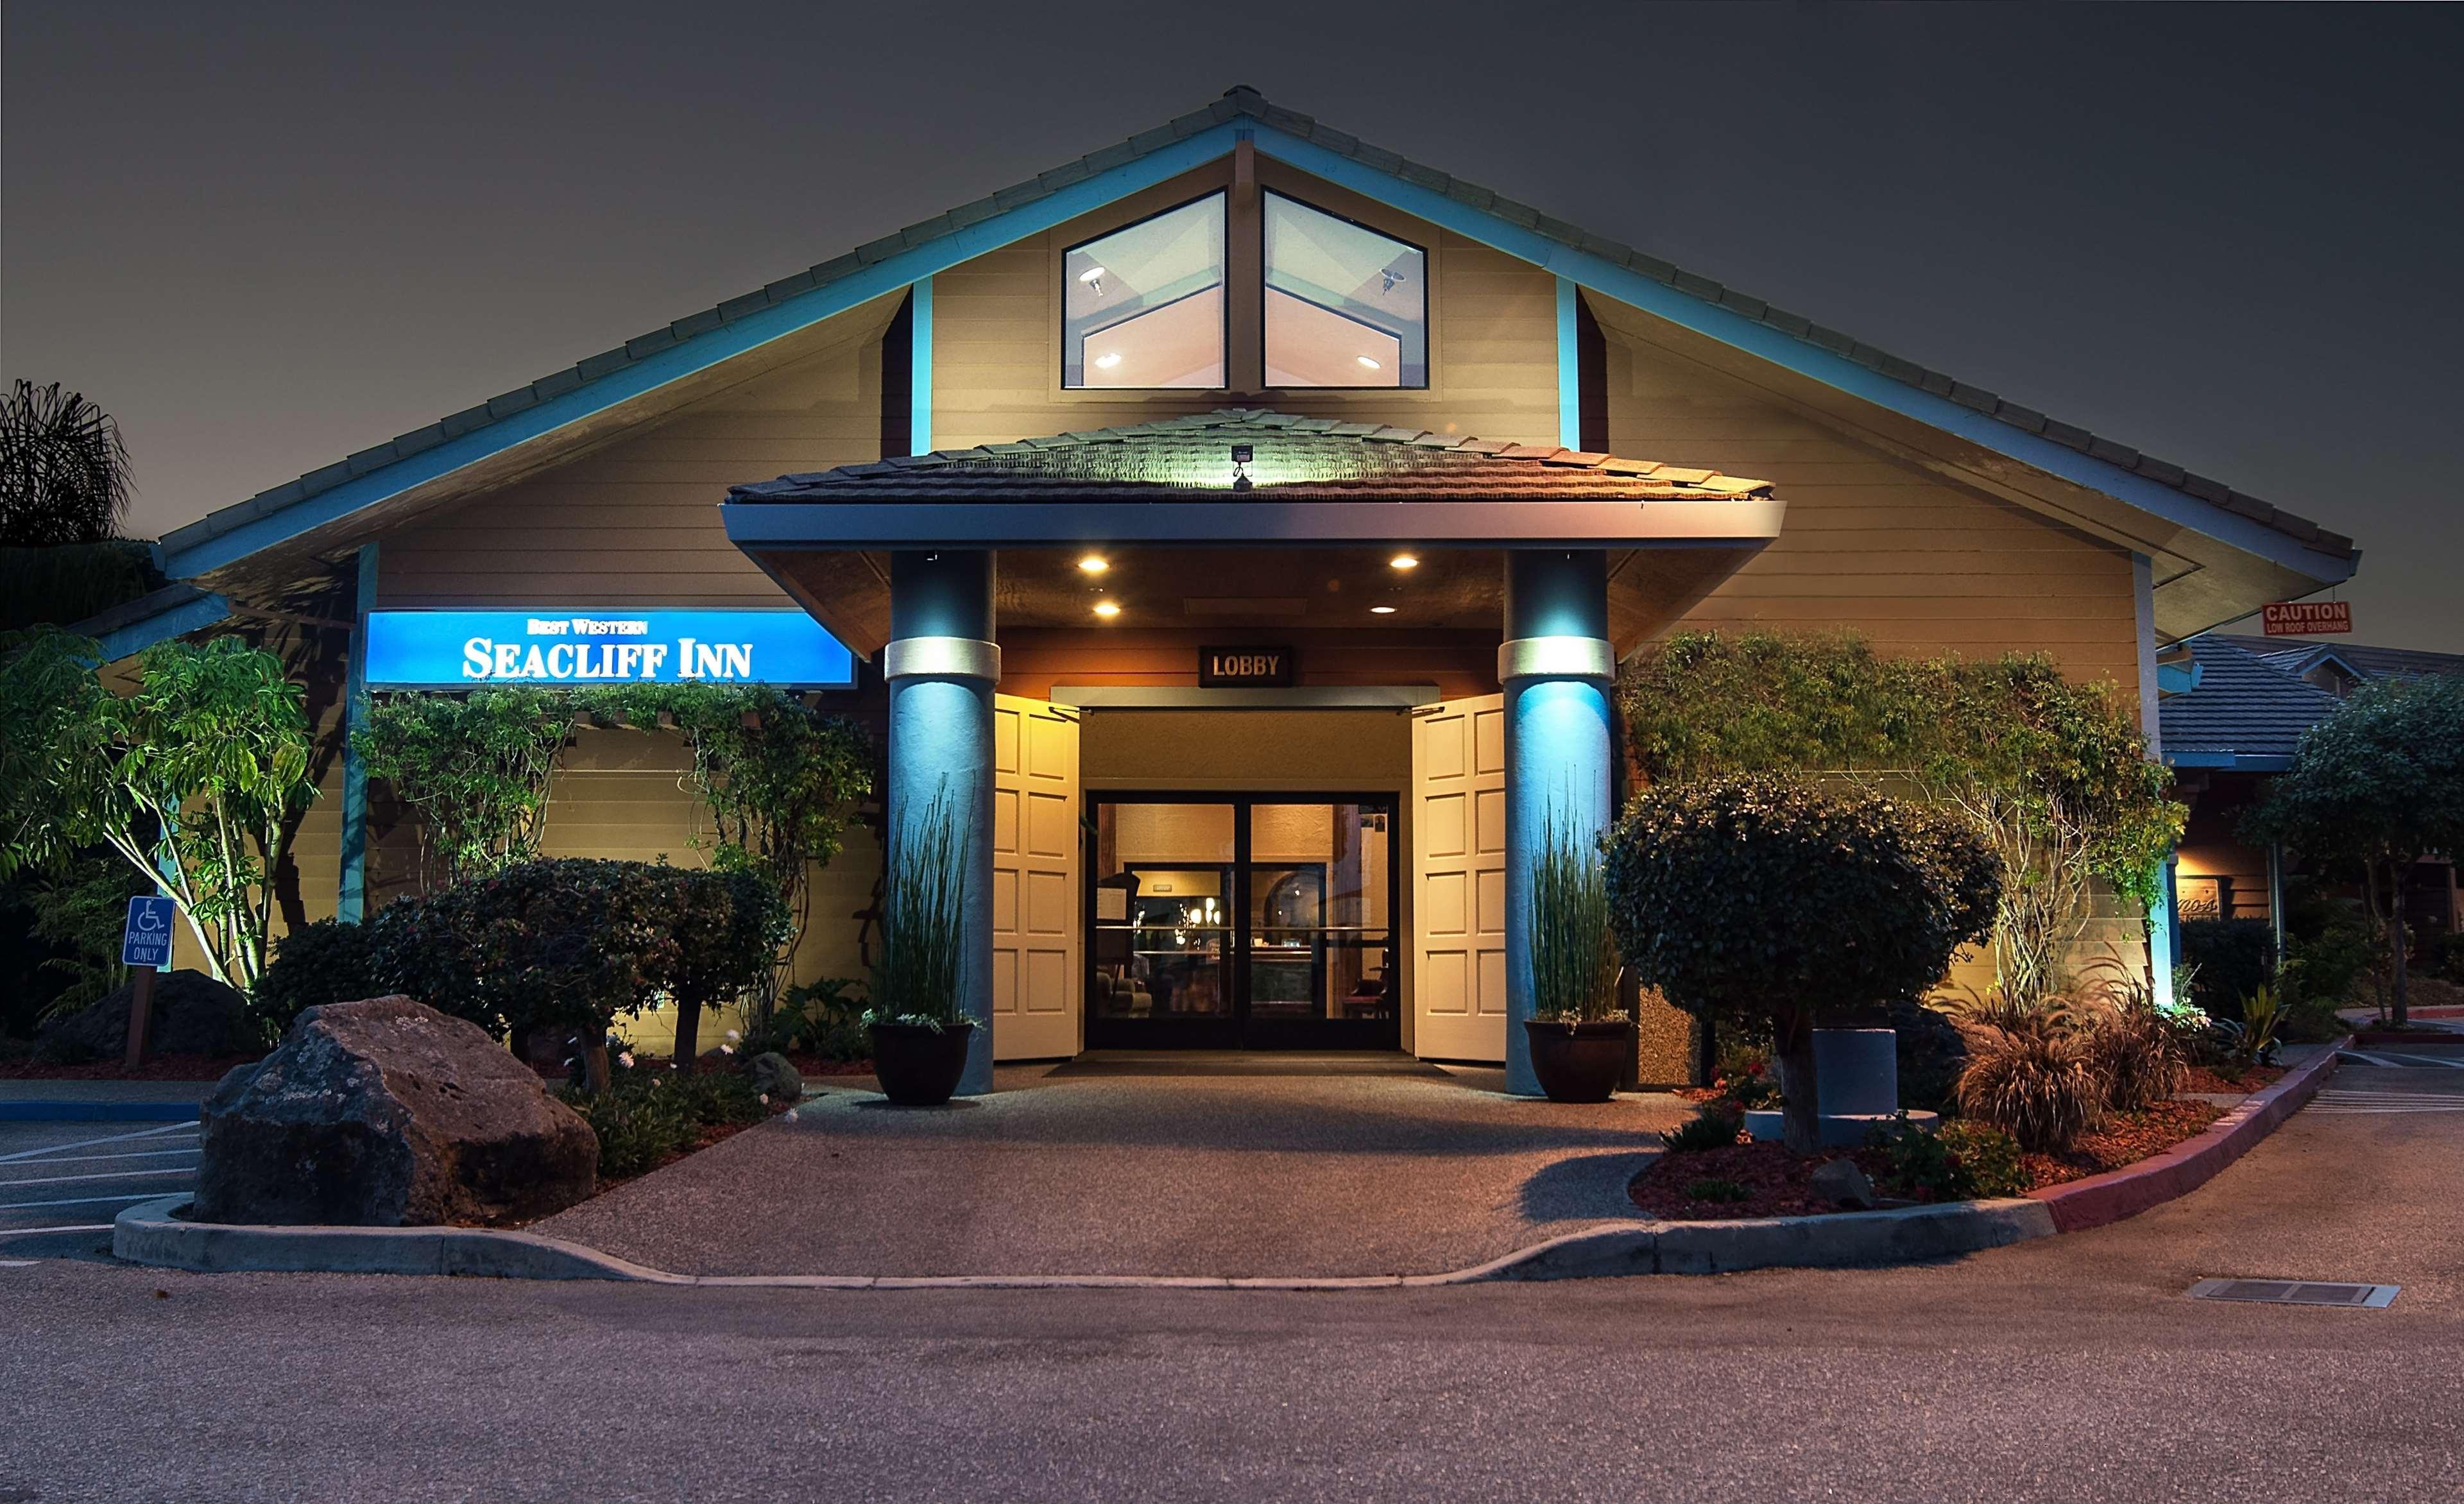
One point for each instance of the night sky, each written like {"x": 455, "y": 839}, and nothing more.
{"x": 266, "y": 237}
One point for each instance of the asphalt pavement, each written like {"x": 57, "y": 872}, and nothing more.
{"x": 61, "y": 1183}
{"x": 2070, "y": 1368}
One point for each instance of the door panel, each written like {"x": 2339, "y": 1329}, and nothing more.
{"x": 1459, "y": 852}
{"x": 1035, "y": 881}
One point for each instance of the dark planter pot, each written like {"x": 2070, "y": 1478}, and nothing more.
{"x": 1581, "y": 1062}
{"x": 919, "y": 1065}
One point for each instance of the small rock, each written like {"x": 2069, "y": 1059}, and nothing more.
{"x": 773, "y": 1078}
{"x": 1843, "y": 1185}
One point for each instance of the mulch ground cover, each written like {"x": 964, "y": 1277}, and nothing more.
{"x": 2124, "y": 1140}
{"x": 155, "y": 1067}
{"x": 1777, "y": 1184}
{"x": 2205, "y": 1078}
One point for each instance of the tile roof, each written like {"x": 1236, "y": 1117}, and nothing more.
{"x": 2370, "y": 663}
{"x": 1238, "y": 103}
{"x": 1292, "y": 457}
{"x": 2241, "y": 708}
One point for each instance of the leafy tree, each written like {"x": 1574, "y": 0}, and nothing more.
{"x": 63, "y": 469}
{"x": 1751, "y": 897}
{"x": 2378, "y": 785}
{"x": 192, "y": 778}
{"x": 729, "y": 927}
{"x": 476, "y": 766}
{"x": 2055, "y": 773}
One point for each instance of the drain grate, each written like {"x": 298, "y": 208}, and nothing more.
{"x": 2295, "y": 1291}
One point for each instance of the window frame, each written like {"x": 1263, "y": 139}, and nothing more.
{"x": 1061, "y": 292}
{"x": 1429, "y": 354}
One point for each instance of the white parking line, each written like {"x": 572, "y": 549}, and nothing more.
{"x": 75, "y": 1201}
{"x": 117, "y": 1138}
{"x": 107, "y": 1175}
{"x": 93, "y": 1158}
{"x": 75, "y": 1227}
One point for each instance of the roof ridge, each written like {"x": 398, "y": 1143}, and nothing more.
{"x": 1238, "y": 102}
{"x": 1710, "y": 482}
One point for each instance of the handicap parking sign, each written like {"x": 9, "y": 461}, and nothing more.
{"x": 146, "y": 942}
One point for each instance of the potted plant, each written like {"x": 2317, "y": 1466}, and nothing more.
{"x": 919, "y": 1035}
{"x": 1581, "y": 1041}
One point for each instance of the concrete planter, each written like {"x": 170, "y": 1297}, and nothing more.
{"x": 1857, "y": 1087}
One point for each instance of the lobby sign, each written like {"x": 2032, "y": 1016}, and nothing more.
{"x": 1245, "y": 667}
{"x": 577, "y": 645}
{"x": 2306, "y": 618}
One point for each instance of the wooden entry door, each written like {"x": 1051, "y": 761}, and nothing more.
{"x": 1459, "y": 862}
{"x": 1036, "y": 980}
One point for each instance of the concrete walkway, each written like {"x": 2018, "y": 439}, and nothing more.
{"x": 1071, "y": 1173}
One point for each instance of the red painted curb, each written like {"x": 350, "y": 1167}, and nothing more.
{"x": 2188, "y": 1166}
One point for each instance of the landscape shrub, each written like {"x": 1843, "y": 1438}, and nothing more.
{"x": 2029, "y": 1074}
{"x": 328, "y": 962}
{"x": 2233, "y": 959}
{"x": 1987, "y": 1157}
{"x": 2328, "y": 947}
{"x": 2135, "y": 1048}
{"x": 1715, "y": 1126}
{"x": 728, "y": 927}
{"x": 1716, "y": 1190}
{"x": 822, "y": 1018}
{"x": 1921, "y": 1167}
{"x": 639, "y": 1125}
{"x": 1751, "y": 899}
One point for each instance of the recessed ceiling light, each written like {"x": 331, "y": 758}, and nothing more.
{"x": 1094, "y": 563}
{"x": 1106, "y": 609}
{"x": 1107, "y": 361}
{"x": 1382, "y": 610}
{"x": 1367, "y": 361}
{"x": 1403, "y": 562}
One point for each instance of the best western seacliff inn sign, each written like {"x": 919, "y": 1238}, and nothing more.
{"x": 1249, "y": 522}
{"x": 459, "y": 649}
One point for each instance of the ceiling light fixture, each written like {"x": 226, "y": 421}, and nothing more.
{"x": 1367, "y": 361}
{"x": 1382, "y": 610}
{"x": 1107, "y": 362}
{"x": 1403, "y": 562}
{"x": 1090, "y": 274}
{"x": 1106, "y": 609}
{"x": 1094, "y": 563}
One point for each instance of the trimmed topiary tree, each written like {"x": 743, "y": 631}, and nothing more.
{"x": 1756, "y": 897}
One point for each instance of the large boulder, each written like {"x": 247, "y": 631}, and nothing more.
{"x": 389, "y": 1114}
{"x": 191, "y": 1015}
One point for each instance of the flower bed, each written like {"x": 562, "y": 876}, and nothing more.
{"x": 2125, "y": 1139}
{"x": 2209, "y": 1081}
{"x": 155, "y": 1067}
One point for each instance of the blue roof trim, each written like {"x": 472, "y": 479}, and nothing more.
{"x": 178, "y": 621}
{"x": 1762, "y": 341}
{"x": 702, "y": 351}
{"x": 2229, "y": 762}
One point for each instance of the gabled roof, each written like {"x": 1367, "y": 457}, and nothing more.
{"x": 2242, "y": 714}
{"x": 2361, "y": 661}
{"x": 1292, "y": 459}
{"x": 303, "y": 512}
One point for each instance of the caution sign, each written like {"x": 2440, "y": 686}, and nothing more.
{"x": 2306, "y": 618}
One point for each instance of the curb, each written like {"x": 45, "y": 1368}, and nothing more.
{"x": 149, "y": 1234}
{"x": 2101, "y": 1198}
{"x": 99, "y": 1112}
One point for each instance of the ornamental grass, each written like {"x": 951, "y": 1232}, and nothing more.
{"x": 924, "y": 896}
{"x": 1574, "y": 961}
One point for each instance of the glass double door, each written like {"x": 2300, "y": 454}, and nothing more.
{"x": 1242, "y": 923}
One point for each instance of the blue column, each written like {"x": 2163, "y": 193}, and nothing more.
{"x": 1556, "y": 667}
{"x": 941, "y": 665}
{"x": 351, "y": 899}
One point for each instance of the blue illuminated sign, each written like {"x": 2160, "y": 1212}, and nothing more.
{"x": 577, "y": 645}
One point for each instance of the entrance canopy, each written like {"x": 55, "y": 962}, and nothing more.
{"x": 1265, "y": 483}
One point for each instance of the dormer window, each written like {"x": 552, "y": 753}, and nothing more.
{"x": 1252, "y": 282}
{"x": 1143, "y": 306}
{"x": 1344, "y": 306}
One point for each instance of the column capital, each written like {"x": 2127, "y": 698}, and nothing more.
{"x": 1592, "y": 659}
{"x": 942, "y": 658}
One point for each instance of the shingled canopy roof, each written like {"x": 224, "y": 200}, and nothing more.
{"x": 2242, "y": 714}
{"x": 1291, "y": 458}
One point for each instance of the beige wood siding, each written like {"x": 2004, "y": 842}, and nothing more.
{"x": 636, "y": 521}
{"x": 997, "y": 336}
{"x": 1915, "y": 565}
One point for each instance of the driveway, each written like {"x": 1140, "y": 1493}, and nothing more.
{"x": 1414, "y": 1169}
{"x": 2070, "y": 1368}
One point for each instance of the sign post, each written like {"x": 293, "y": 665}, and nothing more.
{"x": 144, "y": 944}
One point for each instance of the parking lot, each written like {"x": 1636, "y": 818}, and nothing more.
{"x": 61, "y": 1183}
